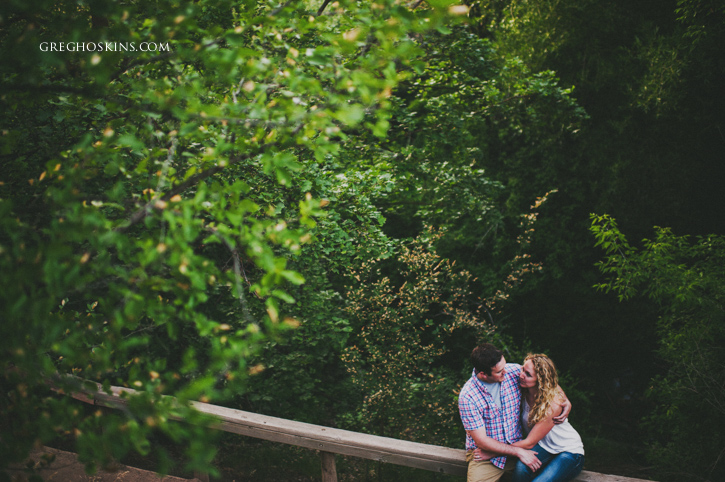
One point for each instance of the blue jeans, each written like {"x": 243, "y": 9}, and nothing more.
{"x": 554, "y": 467}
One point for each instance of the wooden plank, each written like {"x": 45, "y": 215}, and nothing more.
{"x": 328, "y": 434}
{"x": 64, "y": 466}
{"x": 326, "y": 439}
{"x": 587, "y": 476}
{"x": 400, "y": 452}
{"x": 342, "y": 447}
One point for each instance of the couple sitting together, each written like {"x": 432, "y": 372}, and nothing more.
{"x": 516, "y": 420}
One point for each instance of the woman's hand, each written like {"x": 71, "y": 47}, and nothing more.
{"x": 480, "y": 455}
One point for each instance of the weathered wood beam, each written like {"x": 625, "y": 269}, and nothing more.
{"x": 325, "y": 439}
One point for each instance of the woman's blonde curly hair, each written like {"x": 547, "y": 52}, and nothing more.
{"x": 546, "y": 381}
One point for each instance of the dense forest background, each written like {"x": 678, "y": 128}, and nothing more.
{"x": 316, "y": 209}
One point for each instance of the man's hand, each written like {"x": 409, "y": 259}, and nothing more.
{"x": 529, "y": 458}
{"x": 565, "y": 408}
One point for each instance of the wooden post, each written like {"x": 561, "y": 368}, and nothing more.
{"x": 329, "y": 472}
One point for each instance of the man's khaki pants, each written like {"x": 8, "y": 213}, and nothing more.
{"x": 485, "y": 471}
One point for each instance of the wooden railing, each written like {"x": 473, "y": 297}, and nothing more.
{"x": 330, "y": 441}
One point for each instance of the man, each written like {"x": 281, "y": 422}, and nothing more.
{"x": 489, "y": 406}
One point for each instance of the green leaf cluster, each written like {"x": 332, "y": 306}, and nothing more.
{"x": 163, "y": 176}
{"x": 684, "y": 277}
{"x": 406, "y": 329}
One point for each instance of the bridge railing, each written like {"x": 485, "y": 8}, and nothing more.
{"x": 330, "y": 441}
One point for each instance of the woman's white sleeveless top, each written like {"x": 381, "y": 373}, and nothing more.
{"x": 561, "y": 438}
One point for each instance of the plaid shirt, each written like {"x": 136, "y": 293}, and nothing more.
{"x": 479, "y": 411}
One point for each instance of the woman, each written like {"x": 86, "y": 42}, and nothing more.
{"x": 558, "y": 447}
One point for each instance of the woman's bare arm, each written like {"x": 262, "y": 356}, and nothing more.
{"x": 540, "y": 430}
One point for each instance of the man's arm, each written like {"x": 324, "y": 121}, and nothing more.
{"x": 488, "y": 444}
{"x": 565, "y": 407}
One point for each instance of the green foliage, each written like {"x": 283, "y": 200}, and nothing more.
{"x": 404, "y": 327}
{"x": 426, "y": 168}
{"x": 157, "y": 189}
{"x": 685, "y": 277}
{"x": 303, "y": 376}
{"x": 461, "y": 135}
